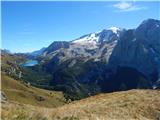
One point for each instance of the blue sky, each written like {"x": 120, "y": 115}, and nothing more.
{"x": 29, "y": 26}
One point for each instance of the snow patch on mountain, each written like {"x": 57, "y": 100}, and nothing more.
{"x": 96, "y": 38}
{"x": 91, "y": 38}
{"x": 114, "y": 29}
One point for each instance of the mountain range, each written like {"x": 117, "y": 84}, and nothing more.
{"x": 107, "y": 68}
{"x": 110, "y": 60}
{"x": 113, "y": 59}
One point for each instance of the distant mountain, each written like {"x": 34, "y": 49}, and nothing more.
{"x": 38, "y": 52}
{"x": 55, "y": 46}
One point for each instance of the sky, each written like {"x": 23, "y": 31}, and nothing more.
{"x": 28, "y": 26}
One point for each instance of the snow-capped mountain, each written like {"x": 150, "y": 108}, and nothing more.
{"x": 96, "y": 38}
{"x": 119, "y": 46}
{"x": 93, "y": 45}
{"x": 111, "y": 58}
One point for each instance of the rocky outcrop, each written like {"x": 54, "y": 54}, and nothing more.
{"x": 3, "y": 97}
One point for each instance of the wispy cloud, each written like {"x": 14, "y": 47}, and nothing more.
{"x": 127, "y": 6}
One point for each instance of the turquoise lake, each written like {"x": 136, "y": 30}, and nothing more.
{"x": 30, "y": 63}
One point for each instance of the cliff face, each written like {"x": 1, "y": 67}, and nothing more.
{"x": 140, "y": 49}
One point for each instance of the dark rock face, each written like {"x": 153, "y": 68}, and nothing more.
{"x": 139, "y": 48}
{"x": 125, "y": 78}
{"x": 149, "y": 31}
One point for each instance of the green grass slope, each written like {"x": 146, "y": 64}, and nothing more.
{"x": 22, "y": 93}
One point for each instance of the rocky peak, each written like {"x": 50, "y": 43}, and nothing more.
{"x": 109, "y": 35}
{"x": 55, "y": 46}
{"x": 149, "y": 30}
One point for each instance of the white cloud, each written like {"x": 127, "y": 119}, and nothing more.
{"x": 123, "y": 5}
{"x": 127, "y": 6}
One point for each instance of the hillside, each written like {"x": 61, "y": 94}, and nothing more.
{"x": 133, "y": 104}
{"x": 10, "y": 64}
{"x": 23, "y": 93}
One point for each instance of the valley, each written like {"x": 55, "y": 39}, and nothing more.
{"x": 113, "y": 74}
{"x": 113, "y": 59}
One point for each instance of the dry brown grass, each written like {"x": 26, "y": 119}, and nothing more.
{"x": 127, "y": 105}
